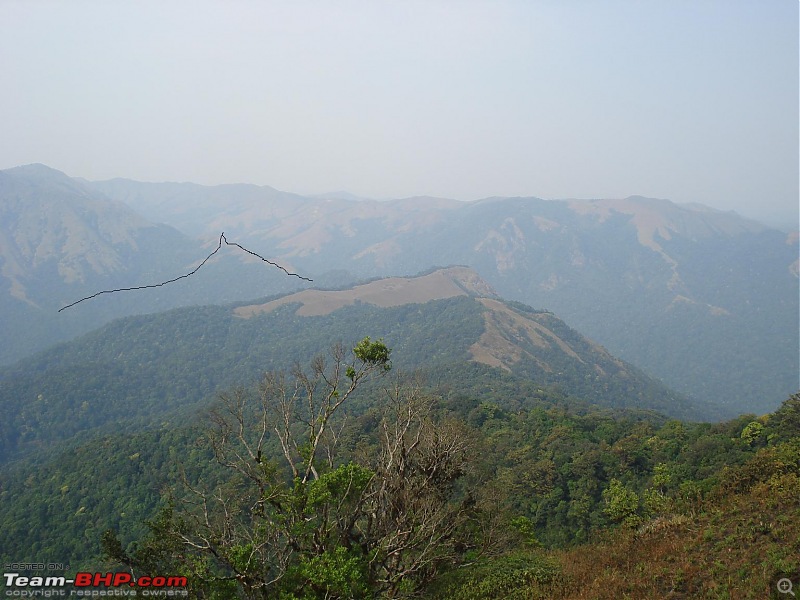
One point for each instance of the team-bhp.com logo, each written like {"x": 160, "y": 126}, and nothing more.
{"x": 93, "y": 584}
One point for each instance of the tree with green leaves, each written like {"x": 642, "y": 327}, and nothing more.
{"x": 622, "y": 504}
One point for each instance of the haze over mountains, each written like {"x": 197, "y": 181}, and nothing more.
{"x": 703, "y": 299}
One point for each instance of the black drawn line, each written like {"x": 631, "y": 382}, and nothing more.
{"x": 222, "y": 238}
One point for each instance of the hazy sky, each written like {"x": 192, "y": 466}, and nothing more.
{"x": 690, "y": 100}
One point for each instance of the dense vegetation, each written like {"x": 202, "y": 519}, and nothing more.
{"x": 572, "y": 500}
{"x": 149, "y": 370}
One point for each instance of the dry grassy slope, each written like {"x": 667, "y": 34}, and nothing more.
{"x": 394, "y": 291}
{"x": 505, "y": 328}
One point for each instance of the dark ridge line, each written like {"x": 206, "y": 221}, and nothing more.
{"x": 222, "y": 238}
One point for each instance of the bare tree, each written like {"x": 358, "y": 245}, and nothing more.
{"x": 415, "y": 520}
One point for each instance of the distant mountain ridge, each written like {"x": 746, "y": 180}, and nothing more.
{"x": 704, "y": 299}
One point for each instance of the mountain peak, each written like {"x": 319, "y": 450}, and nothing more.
{"x": 37, "y": 171}
{"x": 44, "y": 181}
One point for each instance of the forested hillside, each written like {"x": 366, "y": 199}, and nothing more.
{"x": 526, "y": 446}
{"x": 549, "y": 496}
{"x": 143, "y": 371}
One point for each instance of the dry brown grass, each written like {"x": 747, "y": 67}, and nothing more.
{"x": 395, "y": 291}
{"x": 733, "y": 550}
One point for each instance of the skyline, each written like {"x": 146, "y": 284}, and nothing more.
{"x": 687, "y": 101}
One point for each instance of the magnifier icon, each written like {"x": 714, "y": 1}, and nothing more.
{"x": 785, "y": 586}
